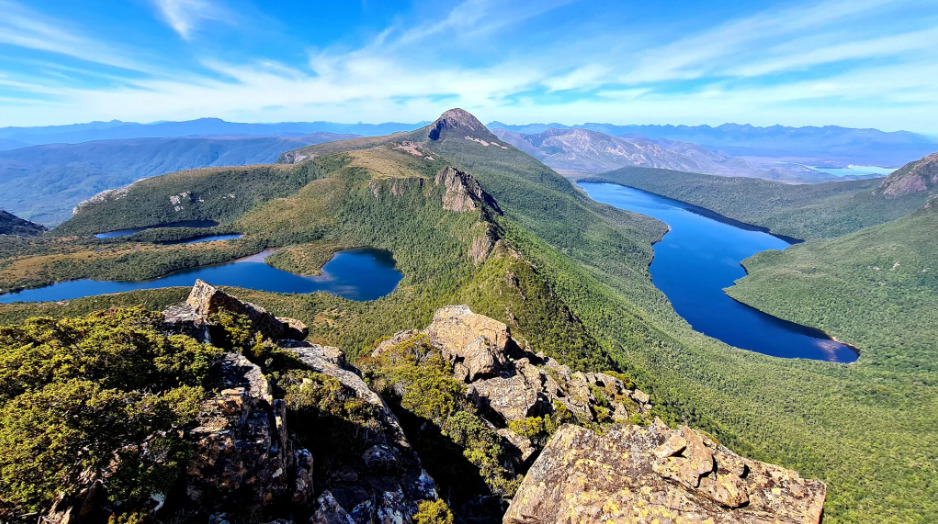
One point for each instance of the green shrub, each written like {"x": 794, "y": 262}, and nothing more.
{"x": 433, "y": 512}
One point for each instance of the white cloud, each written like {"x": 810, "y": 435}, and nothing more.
{"x": 185, "y": 16}
{"x": 398, "y": 76}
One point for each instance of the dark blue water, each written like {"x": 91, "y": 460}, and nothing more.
{"x": 698, "y": 258}
{"x": 357, "y": 274}
{"x": 185, "y": 223}
{"x": 211, "y": 238}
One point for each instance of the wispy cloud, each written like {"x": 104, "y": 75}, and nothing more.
{"x": 807, "y": 63}
{"x": 24, "y": 27}
{"x": 185, "y": 16}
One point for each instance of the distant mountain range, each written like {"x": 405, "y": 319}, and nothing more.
{"x": 819, "y": 146}
{"x": 574, "y": 151}
{"x": 115, "y": 129}
{"x": 44, "y": 183}
{"x": 831, "y": 146}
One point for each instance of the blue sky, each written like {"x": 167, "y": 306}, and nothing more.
{"x": 857, "y": 63}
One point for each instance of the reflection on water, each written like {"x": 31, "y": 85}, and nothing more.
{"x": 357, "y": 274}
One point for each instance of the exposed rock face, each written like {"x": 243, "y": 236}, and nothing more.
{"x": 243, "y": 457}
{"x": 509, "y": 383}
{"x": 388, "y": 482}
{"x": 460, "y": 122}
{"x": 655, "y": 474}
{"x": 206, "y": 300}
{"x": 463, "y": 192}
{"x": 915, "y": 177}
{"x": 248, "y": 466}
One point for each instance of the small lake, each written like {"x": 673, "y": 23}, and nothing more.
{"x": 356, "y": 274}
{"x": 199, "y": 240}
{"x": 185, "y": 223}
{"x": 698, "y": 258}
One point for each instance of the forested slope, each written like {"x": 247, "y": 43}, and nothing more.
{"x": 877, "y": 288}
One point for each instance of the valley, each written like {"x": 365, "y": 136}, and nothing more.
{"x": 471, "y": 220}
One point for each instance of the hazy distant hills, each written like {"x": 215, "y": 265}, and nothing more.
{"x": 829, "y": 145}
{"x": 76, "y": 133}
{"x": 44, "y": 183}
{"x": 809, "y": 145}
{"x": 579, "y": 151}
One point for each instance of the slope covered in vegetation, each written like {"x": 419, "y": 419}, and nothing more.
{"x": 877, "y": 288}
{"x": 567, "y": 274}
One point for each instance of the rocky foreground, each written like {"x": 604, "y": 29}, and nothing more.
{"x": 253, "y": 459}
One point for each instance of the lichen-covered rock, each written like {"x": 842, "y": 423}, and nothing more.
{"x": 474, "y": 342}
{"x": 387, "y": 481}
{"x": 655, "y": 474}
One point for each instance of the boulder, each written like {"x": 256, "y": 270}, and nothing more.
{"x": 476, "y": 342}
{"x": 655, "y": 474}
{"x": 206, "y": 300}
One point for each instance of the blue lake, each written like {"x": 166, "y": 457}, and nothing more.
{"x": 128, "y": 232}
{"x": 357, "y": 274}
{"x": 211, "y": 238}
{"x": 698, "y": 258}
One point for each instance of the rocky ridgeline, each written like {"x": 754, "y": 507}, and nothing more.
{"x": 508, "y": 383}
{"x": 248, "y": 464}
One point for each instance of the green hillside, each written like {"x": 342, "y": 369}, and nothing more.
{"x": 877, "y": 288}
{"x": 568, "y": 274}
{"x": 797, "y": 210}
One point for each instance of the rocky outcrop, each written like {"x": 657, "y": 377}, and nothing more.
{"x": 243, "y": 458}
{"x": 387, "y": 481}
{"x": 463, "y": 192}
{"x": 915, "y": 177}
{"x": 509, "y": 383}
{"x": 249, "y": 465}
{"x": 205, "y": 300}
{"x": 655, "y": 474}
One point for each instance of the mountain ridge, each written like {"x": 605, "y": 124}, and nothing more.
{"x": 577, "y": 151}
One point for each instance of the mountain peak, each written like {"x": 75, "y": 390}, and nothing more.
{"x": 457, "y": 119}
